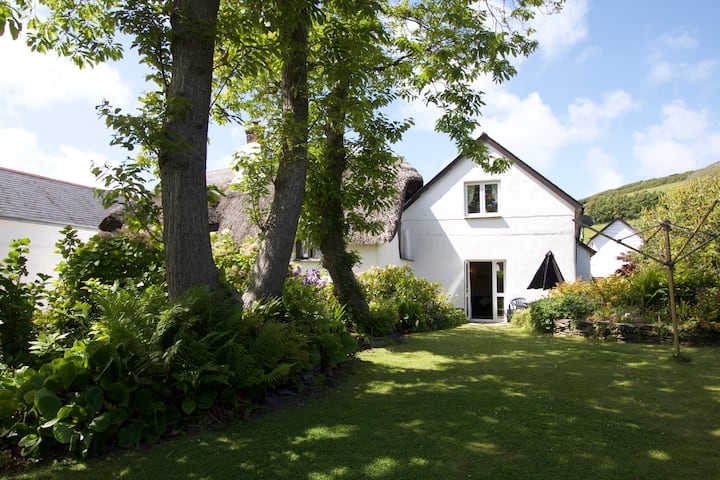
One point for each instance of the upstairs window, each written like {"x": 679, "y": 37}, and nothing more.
{"x": 481, "y": 198}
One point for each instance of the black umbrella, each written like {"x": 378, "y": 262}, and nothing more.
{"x": 548, "y": 275}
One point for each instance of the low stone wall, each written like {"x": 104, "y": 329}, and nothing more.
{"x": 635, "y": 332}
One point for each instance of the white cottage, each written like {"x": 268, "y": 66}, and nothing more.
{"x": 606, "y": 244}
{"x": 483, "y": 236}
{"x": 37, "y": 208}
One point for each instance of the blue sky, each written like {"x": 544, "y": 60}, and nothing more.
{"x": 618, "y": 91}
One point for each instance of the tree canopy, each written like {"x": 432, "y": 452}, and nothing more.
{"x": 319, "y": 76}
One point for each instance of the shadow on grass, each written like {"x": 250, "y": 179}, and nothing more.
{"x": 474, "y": 402}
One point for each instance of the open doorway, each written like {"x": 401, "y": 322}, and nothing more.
{"x": 485, "y": 290}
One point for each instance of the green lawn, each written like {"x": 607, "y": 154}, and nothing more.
{"x": 473, "y": 402}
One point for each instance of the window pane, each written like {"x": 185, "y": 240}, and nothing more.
{"x": 491, "y": 204}
{"x": 500, "y": 307}
{"x": 500, "y": 277}
{"x": 473, "y": 198}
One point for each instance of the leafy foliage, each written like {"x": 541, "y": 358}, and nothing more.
{"x": 405, "y": 303}
{"x": 234, "y": 259}
{"x": 128, "y": 259}
{"x": 605, "y": 208}
{"x": 18, "y": 301}
{"x": 146, "y": 364}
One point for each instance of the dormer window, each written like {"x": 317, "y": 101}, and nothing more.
{"x": 481, "y": 198}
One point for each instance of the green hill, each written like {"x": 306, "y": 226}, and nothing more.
{"x": 628, "y": 201}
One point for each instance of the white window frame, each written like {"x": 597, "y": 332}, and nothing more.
{"x": 483, "y": 213}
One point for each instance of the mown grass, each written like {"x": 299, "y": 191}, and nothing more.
{"x": 473, "y": 402}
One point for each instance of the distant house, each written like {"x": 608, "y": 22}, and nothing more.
{"x": 605, "y": 261}
{"x": 482, "y": 236}
{"x": 37, "y": 208}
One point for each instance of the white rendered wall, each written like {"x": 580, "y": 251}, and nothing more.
{"x": 604, "y": 263}
{"x": 531, "y": 220}
{"x": 43, "y": 236}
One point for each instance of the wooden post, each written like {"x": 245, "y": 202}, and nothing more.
{"x": 670, "y": 265}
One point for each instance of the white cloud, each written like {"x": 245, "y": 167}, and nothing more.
{"x": 22, "y": 152}
{"x": 588, "y": 119}
{"x": 678, "y": 41}
{"x": 559, "y": 32}
{"x": 41, "y": 81}
{"x": 539, "y": 133}
{"x": 602, "y": 170}
{"x": 685, "y": 139}
{"x": 527, "y": 124}
{"x": 663, "y": 72}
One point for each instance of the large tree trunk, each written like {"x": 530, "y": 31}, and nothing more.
{"x": 268, "y": 274}
{"x": 183, "y": 154}
{"x": 329, "y": 209}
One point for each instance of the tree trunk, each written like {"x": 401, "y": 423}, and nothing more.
{"x": 183, "y": 154}
{"x": 268, "y": 274}
{"x": 329, "y": 209}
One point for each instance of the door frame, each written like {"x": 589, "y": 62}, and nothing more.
{"x": 496, "y": 296}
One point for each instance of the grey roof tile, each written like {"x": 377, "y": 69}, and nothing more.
{"x": 25, "y": 196}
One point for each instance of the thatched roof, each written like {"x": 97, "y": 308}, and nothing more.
{"x": 407, "y": 182}
{"x": 231, "y": 212}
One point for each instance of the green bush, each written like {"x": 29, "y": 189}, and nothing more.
{"x": 125, "y": 260}
{"x": 421, "y": 305}
{"x": 308, "y": 309}
{"x": 522, "y": 318}
{"x": 382, "y": 319}
{"x": 18, "y": 301}
{"x": 545, "y": 311}
{"x": 234, "y": 259}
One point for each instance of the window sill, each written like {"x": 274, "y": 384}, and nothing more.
{"x": 469, "y": 216}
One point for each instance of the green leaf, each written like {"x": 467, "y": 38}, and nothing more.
{"x": 119, "y": 393}
{"x": 53, "y": 383}
{"x": 63, "y": 433}
{"x": 142, "y": 401}
{"x": 67, "y": 373}
{"x": 8, "y": 404}
{"x": 130, "y": 434}
{"x": 47, "y": 403}
{"x": 94, "y": 399}
{"x": 101, "y": 422}
{"x": 188, "y": 405}
{"x": 29, "y": 444}
{"x": 206, "y": 398}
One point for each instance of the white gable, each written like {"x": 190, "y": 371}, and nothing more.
{"x": 533, "y": 216}
{"x": 605, "y": 262}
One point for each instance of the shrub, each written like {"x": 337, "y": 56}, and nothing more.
{"x": 127, "y": 259}
{"x": 322, "y": 322}
{"x": 18, "y": 301}
{"x": 421, "y": 305}
{"x": 545, "y": 311}
{"x": 234, "y": 259}
{"x": 522, "y": 318}
{"x": 382, "y": 319}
